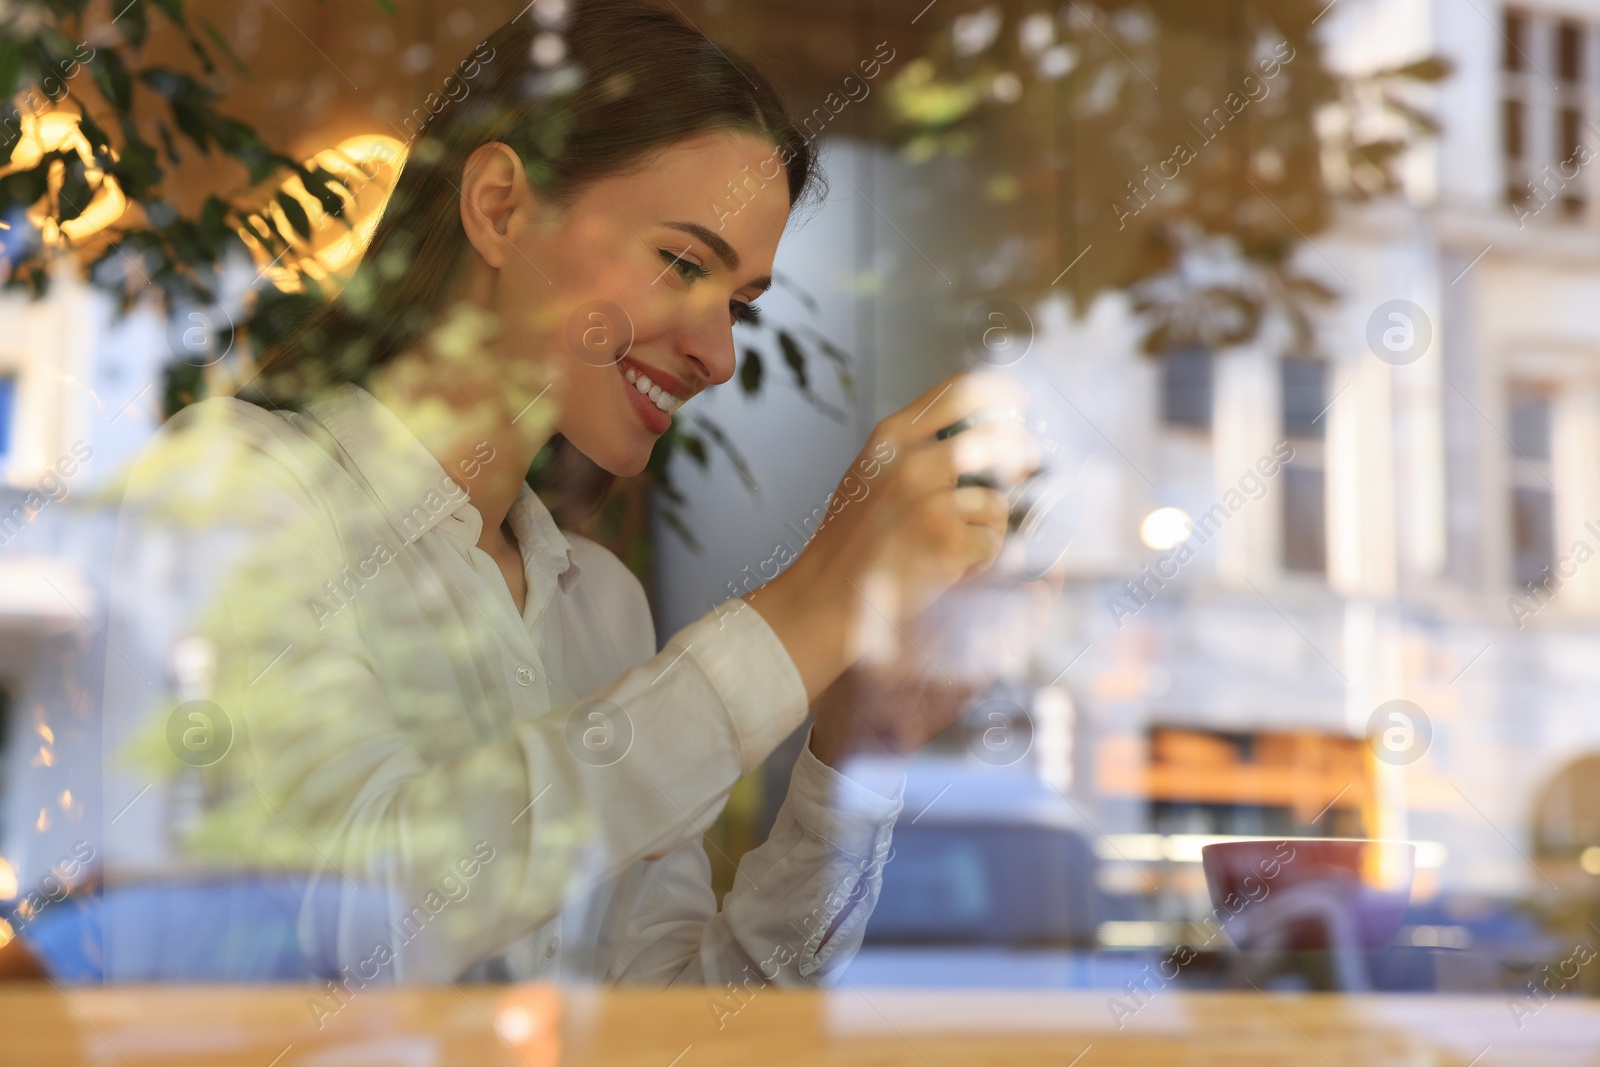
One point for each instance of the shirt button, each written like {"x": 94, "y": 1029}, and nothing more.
{"x": 525, "y": 675}
{"x": 552, "y": 948}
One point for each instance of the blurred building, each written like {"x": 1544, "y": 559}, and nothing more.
{"x": 1441, "y": 462}
{"x": 1429, "y": 541}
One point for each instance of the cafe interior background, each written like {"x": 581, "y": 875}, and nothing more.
{"x": 1377, "y": 253}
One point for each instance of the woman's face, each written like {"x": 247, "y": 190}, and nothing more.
{"x": 639, "y": 280}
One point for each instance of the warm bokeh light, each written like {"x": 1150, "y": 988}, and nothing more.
{"x": 367, "y": 166}
{"x": 55, "y": 131}
{"x": 529, "y": 1019}
{"x": 1589, "y": 860}
{"x": 1165, "y": 528}
{"x": 8, "y": 879}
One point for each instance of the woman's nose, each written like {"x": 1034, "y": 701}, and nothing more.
{"x": 712, "y": 352}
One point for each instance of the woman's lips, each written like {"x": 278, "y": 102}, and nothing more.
{"x": 674, "y": 385}
{"x": 655, "y": 420}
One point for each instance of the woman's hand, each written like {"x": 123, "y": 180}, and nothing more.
{"x": 900, "y": 532}
{"x": 979, "y": 630}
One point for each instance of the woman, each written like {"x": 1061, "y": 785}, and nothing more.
{"x": 429, "y": 729}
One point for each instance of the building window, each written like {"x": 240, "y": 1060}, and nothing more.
{"x": 8, "y": 407}
{"x": 1304, "y": 394}
{"x": 7, "y": 709}
{"x": 1544, "y": 116}
{"x": 1514, "y": 32}
{"x": 1186, "y": 388}
{"x": 1532, "y": 496}
{"x": 1569, "y": 52}
{"x": 1511, "y": 137}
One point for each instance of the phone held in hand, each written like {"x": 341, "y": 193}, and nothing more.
{"x": 1045, "y": 507}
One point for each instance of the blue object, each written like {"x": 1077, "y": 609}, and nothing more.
{"x": 8, "y": 406}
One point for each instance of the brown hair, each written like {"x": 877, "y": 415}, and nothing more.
{"x": 633, "y": 79}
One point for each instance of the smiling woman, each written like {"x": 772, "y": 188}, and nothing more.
{"x": 397, "y": 652}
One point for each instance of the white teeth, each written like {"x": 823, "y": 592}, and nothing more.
{"x": 658, "y": 396}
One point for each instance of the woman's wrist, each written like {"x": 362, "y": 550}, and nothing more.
{"x": 813, "y": 626}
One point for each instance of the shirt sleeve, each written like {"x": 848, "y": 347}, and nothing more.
{"x": 799, "y": 905}
{"x": 320, "y": 782}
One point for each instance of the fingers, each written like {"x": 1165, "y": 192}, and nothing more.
{"x": 998, "y": 453}
{"x": 981, "y": 507}
{"x": 1002, "y": 449}
{"x": 985, "y": 542}
{"x": 953, "y": 399}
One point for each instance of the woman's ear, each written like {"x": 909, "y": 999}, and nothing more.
{"x": 492, "y": 187}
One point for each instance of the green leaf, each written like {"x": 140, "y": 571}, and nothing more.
{"x": 265, "y": 234}
{"x": 74, "y": 195}
{"x": 214, "y": 218}
{"x": 245, "y": 145}
{"x": 675, "y": 521}
{"x": 387, "y": 5}
{"x": 173, "y": 9}
{"x": 111, "y": 77}
{"x": 24, "y": 188}
{"x": 222, "y": 44}
{"x": 99, "y": 141}
{"x": 795, "y": 358}
{"x": 10, "y": 130}
{"x": 750, "y": 372}
{"x": 320, "y": 184}
{"x": 131, "y": 20}
{"x": 138, "y": 169}
{"x": 296, "y": 214}
{"x": 1431, "y": 69}
{"x": 696, "y": 449}
{"x": 11, "y": 63}
{"x": 729, "y": 450}
{"x": 167, "y": 144}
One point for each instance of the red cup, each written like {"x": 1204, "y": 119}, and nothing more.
{"x": 1311, "y": 894}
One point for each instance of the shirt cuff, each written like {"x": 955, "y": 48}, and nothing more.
{"x": 751, "y": 672}
{"x": 843, "y": 812}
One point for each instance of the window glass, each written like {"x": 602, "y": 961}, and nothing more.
{"x": 1186, "y": 388}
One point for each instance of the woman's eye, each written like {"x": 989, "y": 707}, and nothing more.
{"x": 748, "y": 314}
{"x": 687, "y": 269}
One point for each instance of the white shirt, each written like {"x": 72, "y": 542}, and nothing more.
{"x": 428, "y": 766}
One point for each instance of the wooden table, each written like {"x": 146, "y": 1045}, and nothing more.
{"x": 275, "y": 1027}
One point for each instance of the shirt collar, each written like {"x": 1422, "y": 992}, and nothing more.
{"x": 545, "y": 549}
{"x": 413, "y": 491}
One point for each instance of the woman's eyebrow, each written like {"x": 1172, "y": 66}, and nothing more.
{"x": 720, "y": 248}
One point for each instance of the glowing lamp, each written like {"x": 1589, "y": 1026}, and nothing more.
{"x": 56, "y": 131}
{"x": 1165, "y": 528}
{"x": 366, "y": 168}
